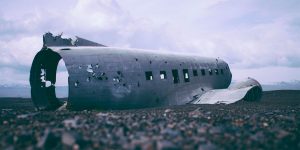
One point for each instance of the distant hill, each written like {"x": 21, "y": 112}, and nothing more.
{"x": 293, "y": 85}
{"x": 24, "y": 91}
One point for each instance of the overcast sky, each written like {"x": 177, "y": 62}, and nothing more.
{"x": 258, "y": 38}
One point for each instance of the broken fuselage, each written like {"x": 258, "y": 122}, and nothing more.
{"x": 117, "y": 78}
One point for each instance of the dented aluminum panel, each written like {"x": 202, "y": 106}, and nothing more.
{"x": 249, "y": 90}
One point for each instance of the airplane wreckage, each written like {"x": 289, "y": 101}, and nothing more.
{"x": 102, "y": 77}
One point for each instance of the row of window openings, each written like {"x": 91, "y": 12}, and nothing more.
{"x": 163, "y": 74}
{"x": 179, "y": 64}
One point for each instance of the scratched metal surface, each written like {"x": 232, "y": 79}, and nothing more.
{"x": 107, "y": 77}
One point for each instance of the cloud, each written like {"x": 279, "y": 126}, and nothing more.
{"x": 248, "y": 34}
{"x": 94, "y": 15}
{"x": 267, "y": 75}
{"x": 20, "y": 50}
{"x": 11, "y": 76}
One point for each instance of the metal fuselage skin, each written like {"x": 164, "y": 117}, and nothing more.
{"x": 116, "y": 78}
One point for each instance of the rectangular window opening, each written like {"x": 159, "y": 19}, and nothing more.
{"x": 149, "y": 75}
{"x": 195, "y": 73}
{"x": 175, "y": 76}
{"x": 203, "y": 72}
{"x": 163, "y": 75}
{"x": 210, "y": 72}
{"x": 222, "y": 71}
{"x": 217, "y": 71}
{"x": 186, "y": 75}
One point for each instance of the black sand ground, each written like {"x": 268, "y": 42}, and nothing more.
{"x": 272, "y": 123}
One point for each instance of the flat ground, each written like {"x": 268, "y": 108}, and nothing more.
{"x": 272, "y": 123}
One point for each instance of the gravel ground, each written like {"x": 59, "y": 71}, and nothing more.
{"x": 272, "y": 123}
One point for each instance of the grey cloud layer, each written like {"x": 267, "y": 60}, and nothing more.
{"x": 247, "y": 34}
